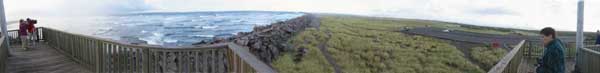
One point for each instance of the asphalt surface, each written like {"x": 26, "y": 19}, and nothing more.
{"x": 463, "y": 36}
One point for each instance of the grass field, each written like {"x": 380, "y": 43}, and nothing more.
{"x": 373, "y": 45}
{"x": 488, "y": 56}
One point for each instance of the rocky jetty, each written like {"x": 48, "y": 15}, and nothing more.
{"x": 267, "y": 42}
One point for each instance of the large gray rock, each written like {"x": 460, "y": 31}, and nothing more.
{"x": 267, "y": 42}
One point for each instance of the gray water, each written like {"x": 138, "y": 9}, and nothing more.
{"x": 168, "y": 28}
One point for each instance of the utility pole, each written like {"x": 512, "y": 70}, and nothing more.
{"x": 579, "y": 36}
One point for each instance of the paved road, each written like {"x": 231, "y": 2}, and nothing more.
{"x": 466, "y": 36}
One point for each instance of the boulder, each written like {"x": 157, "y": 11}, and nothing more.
{"x": 267, "y": 42}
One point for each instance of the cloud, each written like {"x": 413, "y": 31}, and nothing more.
{"x": 72, "y": 7}
{"x": 523, "y": 14}
{"x": 493, "y": 11}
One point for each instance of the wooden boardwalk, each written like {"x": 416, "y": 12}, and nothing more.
{"x": 41, "y": 59}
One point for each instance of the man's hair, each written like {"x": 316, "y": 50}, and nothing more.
{"x": 548, "y": 31}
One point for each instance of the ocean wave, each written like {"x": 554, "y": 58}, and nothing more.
{"x": 208, "y": 27}
{"x": 206, "y": 36}
{"x": 172, "y": 29}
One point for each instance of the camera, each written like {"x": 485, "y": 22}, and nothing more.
{"x": 32, "y": 21}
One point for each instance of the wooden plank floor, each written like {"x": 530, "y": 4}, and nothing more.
{"x": 41, "y": 59}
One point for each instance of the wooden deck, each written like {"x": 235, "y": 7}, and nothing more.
{"x": 75, "y": 53}
{"x": 41, "y": 59}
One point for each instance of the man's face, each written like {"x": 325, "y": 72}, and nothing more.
{"x": 546, "y": 39}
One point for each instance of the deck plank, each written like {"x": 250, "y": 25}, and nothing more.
{"x": 41, "y": 59}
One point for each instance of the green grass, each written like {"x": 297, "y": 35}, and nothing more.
{"x": 487, "y": 56}
{"x": 373, "y": 45}
{"x": 313, "y": 62}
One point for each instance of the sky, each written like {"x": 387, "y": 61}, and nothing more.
{"x": 521, "y": 14}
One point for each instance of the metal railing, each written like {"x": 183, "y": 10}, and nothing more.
{"x": 109, "y": 56}
{"x": 510, "y": 62}
{"x": 588, "y": 59}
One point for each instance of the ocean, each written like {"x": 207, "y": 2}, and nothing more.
{"x": 167, "y": 28}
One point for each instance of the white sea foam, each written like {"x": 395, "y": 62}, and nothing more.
{"x": 209, "y": 27}
{"x": 206, "y": 36}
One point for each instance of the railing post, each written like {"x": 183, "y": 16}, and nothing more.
{"x": 99, "y": 57}
{"x": 37, "y": 34}
{"x": 146, "y": 59}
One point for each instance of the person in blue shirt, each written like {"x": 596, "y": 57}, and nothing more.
{"x": 553, "y": 60}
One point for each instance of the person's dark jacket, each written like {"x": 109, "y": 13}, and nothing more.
{"x": 553, "y": 60}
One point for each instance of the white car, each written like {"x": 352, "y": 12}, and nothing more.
{"x": 447, "y": 30}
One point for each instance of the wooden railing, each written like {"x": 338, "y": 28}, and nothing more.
{"x": 536, "y": 49}
{"x": 13, "y": 35}
{"x": 510, "y": 62}
{"x": 109, "y": 56}
{"x": 3, "y": 54}
{"x": 588, "y": 59}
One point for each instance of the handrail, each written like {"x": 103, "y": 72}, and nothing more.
{"x": 3, "y": 54}
{"x": 591, "y": 51}
{"x": 594, "y": 48}
{"x": 252, "y": 60}
{"x": 105, "y": 55}
{"x": 512, "y": 60}
{"x": 128, "y": 44}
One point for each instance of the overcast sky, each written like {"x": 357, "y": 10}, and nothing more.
{"x": 523, "y": 14}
